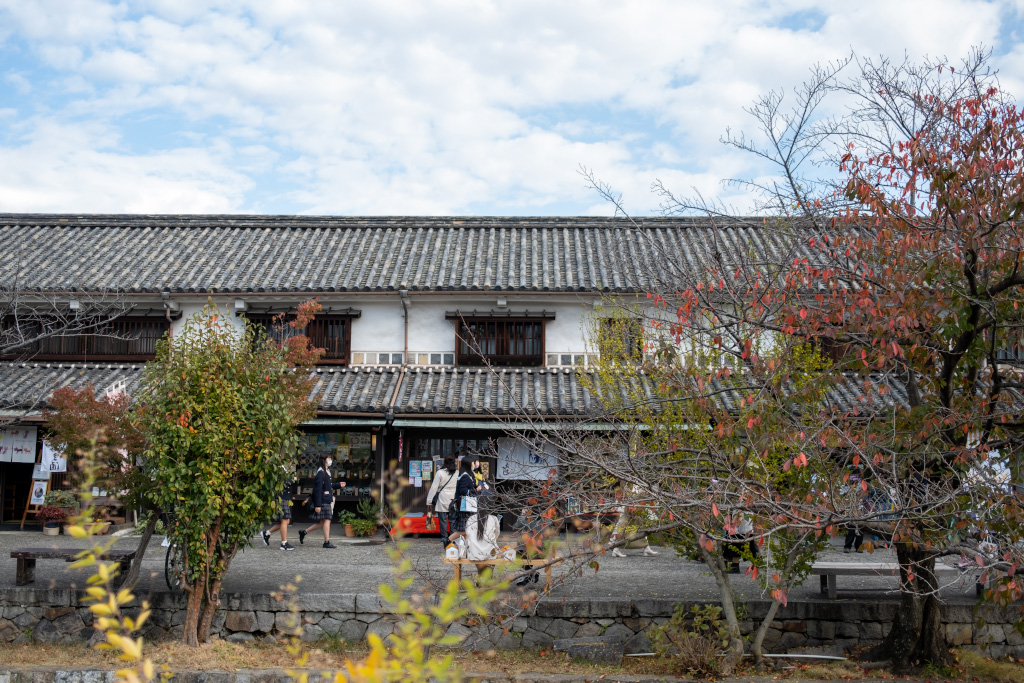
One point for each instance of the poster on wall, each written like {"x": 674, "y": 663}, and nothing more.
{"x": 426, "y": 469}
{"x": 18, "y": 444}
{"x": 38, "y": 492}
{"x": 414, "y": 469}
{"x": 53, "y": 460}
{"x": 517, "y": 460}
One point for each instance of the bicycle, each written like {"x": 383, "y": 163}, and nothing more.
{"x": 172, "y": 571}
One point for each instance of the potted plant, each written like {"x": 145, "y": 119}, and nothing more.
{"x": 347, "y": 517}
{"x": 364, "y": 527}
{"x": 51, "y": 517}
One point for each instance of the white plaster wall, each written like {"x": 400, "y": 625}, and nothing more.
{"x": 190, "y": 307}
{"x": 379, "y": 327}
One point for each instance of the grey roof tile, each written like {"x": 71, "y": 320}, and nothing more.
{"x": 241, "y": 254}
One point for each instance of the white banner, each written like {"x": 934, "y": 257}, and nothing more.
{"x": 517, "y": 460}
{"x": 53, "y": 461}
{"x": 18, "y": 444}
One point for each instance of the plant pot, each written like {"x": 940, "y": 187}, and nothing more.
{"x": 51, "y": 528}
{"x": 349, "y": 531}
{"x": 99, "y": 528}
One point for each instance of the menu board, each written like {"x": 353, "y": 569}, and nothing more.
{"x": 18, "y": 444}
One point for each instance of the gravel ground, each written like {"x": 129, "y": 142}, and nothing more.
{"x": 360, "y": 568}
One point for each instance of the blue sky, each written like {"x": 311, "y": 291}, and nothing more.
{"x": 428, "y": 107}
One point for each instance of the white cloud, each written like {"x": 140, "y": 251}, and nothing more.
{"x": 426, "y": 107}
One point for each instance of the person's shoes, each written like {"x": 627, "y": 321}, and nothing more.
{"x": 650, "y": 552}
{"x": 266, "y": 538}
{"x": 287, "y": 546}
{"x": 302, "y": 536}
{"x": 328, "y": 544}
{"x": 536, "y": 576}
{"x": 523, "y": 581}
{"x": 617, "y": 553}
{"x": 846, "y": 550}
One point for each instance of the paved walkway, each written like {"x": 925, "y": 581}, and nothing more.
{"x": 361, "y": 568}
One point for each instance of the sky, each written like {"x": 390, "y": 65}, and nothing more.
{"x": 427, "y": 107}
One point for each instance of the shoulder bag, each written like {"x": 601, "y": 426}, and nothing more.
{"x": 437, "y": 495}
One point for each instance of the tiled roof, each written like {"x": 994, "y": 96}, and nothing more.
{"x": 296, "y": 254}
{"x": 502, "y": 391}
{"x": 360, "y": 389}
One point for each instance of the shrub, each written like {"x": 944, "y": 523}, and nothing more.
{"x": 364, "y": 527}
{"x": 695, "y": 638}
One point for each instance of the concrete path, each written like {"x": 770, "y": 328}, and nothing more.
{"x": 361, "y": 568}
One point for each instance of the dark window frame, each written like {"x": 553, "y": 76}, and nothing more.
{"x": 633, "y": 351}
{"x": 108, "y": 341}
{"x": 511, "y": 344}
{"x": 334, "y": 355}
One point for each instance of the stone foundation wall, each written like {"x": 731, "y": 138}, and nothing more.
{"x": 60, "y": 616}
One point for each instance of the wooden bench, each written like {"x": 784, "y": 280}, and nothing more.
{"x": 27, "y": 557}
{"x": 527, "y": 564}
{"x": 828, "y": 571}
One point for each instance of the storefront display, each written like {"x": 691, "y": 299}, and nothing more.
{"x": 354, "y": 462}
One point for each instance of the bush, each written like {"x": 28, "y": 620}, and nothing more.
{"x": 695, "y": 638}
{"x": 52, "y": 513}
{"x": 369, "y": 509}
{"x": 364, "y": 527}
{"x": 62, "y": 499}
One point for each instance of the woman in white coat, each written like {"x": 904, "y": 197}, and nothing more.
{"x": 482, "y": 530}
{"x": 441, "y": 493}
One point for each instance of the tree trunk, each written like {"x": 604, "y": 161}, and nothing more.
{"x": 132, "y": 577}
{"x": 916, "y": 637}
{"x": 762, "y": 631}
{"x": 209, "y": 611}
{"x": 717, "y": 566}
{"x": 195, "y": 606}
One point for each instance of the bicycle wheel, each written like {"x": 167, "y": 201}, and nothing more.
{"x": 172, "y": 567}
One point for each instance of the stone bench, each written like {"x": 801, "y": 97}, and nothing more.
{"x": 26, "y": 557}
{"x": 828, "y": 571}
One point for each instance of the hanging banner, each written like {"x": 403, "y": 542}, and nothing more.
{"x": 18, "y": 444}
{"x": 518, "y": 460}
{"x": 53, "y": 460}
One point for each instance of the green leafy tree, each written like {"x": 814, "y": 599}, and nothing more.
{"x": 219, "y": 409}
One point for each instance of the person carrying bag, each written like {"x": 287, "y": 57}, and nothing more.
{"x": 464, "y": 504}
{"x": 441, "y": 495}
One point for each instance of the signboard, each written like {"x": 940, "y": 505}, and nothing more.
{"x": 18, "y": 444}
{"x": 53, "y": 460}
{"x": 38, "y": 492}
{"x": 39, "y": 472}
{"x": 518, "y": 460}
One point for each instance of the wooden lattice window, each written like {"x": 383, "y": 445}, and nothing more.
{"x": 129, "y": 339}
{"x": 331, "y": 333}
{"x": 499, "y": 341}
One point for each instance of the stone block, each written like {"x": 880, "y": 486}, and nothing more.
{"x": 311, "y": 633}
{"x": 540, "y": 623}
{"x": 604, "y": 622}
{"x": 330, "y": 625}
{"x": 312, "y": 617}
{"x": 25, "y": 620}
{"x": 327, "y": 602}
{"x": 241, "y": 621}
{"x": 519, "y": 625}
{"x": 598, "y": 651}
{"x": 177, "y": 618}
{"x": 1013, "y": 636}
{"x": 368, "y": 603}
{"x": 533, "y": 638}
{"x": 284, "y": 622}
{"x": 54, "y": 613}
{"x": 618, "y": 632}
{"x": 638, "y": 643}
{"x": 871, "y": 630}
{"x": 989, "y": 633}
{"x": 12, "y": 611}
{"x": 382, "y": 628}
{"x": 772, "y": 638}
{"x": 793, "y": 626}
{"x": 610, "y": 608}
{"x": 791, "y": 639}
{"x": 240, "y": 637}
{"x": 561, "y": 628}
{"x": 217, "y": 623}
{"x": 563, "y": 609}
{"x": 458, "y": 631}
{"x": 8, "y": 631}
{"x": 823, "y": 630}
{"x": 636, "y": 624}
{"x": 352, "y": 630}
{"x": 847, "y": 629}
{"x": 368, "y": 617}
{"x": 342, "y": 616}
{"x": 264, "y": 621}
{"x": 959, "y": 634}
{"x": 69, "y": 623}
{"x": 589, "y": 630}
{"x": 45, "y": 632}
{"x": 651, "y": 607}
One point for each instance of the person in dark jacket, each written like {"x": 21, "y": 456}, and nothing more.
{"x": 323, "y": 502}
{"x": 284, "y": 517}
{"x": 465, "y": 487}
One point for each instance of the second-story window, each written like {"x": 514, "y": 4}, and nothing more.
{"x": 130, "y": 339}
{"x": 331, "y": 333}
{"x": 621, "y": 339}
{"x": 499, "y": 341}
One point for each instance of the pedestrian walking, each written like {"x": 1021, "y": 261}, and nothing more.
{"x": 323, "y": 502}
{"x": 441, "y": 494}
{"x": 284, "y": 517}
{"x": 464, "y": 503}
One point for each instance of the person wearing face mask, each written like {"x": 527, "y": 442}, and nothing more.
{"x": 323, "y": 502}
